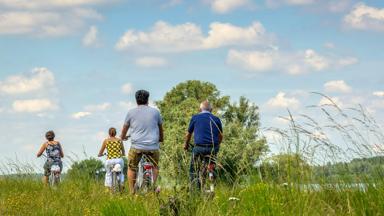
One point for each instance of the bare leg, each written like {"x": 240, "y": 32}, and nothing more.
{"x": 131, "y": 180}
{"x": 155, "y": 174}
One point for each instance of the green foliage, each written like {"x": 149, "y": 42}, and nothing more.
{"x": 285, "y": 168}
{"x": 357, "y": 170}
{"x": 241, "y": 146}
{"x": 86, "y": 169}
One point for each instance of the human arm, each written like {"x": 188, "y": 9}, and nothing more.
{"x": 122, "y": 148}
{"x": 188, "y": 137}
{"x": 101, "y": 152}
{"x": 61, "y": 150}
{"x": 160, "y": 125}
{"x": 41, "y": 150}
{"x": 161, "y": 133}
{"x": 124, "y": 132}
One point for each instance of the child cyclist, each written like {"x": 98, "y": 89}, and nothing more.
{"x": 54, "y": 153}
{"x": 115, "y": 153}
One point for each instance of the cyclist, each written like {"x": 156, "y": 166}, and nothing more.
{"x": 208, "y": 134}
{"x": 54, "y": 153}
{"x": 115, "y": 154}
{"x": 145, "y": 126}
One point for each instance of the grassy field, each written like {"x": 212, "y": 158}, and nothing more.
{"x": 29, "y": 197}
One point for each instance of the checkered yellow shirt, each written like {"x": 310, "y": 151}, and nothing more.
{"x": 114, "y": 149}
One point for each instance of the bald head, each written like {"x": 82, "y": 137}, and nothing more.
{"x": 205, "y": 106}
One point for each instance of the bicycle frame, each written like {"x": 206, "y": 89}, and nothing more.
{"x": 205, "y": 172}
{"x": 144, "y": 178}
{"x": 54, "y": 178}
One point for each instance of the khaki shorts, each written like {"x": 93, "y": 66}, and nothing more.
{"x": 135, "y": 155}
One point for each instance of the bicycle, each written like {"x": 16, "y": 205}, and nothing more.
{"x": 206, "y": 174}
{"x": 116, "y": 170}
{"x": 55, "y": 176}
{"x": 144, "y": 178}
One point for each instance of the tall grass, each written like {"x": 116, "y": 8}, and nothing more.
{"x": 289, "y": 184}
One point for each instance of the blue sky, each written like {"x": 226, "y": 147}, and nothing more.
{"x": 73, "y": 66}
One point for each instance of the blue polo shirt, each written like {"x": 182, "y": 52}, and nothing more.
{"x": 201, "y": 125}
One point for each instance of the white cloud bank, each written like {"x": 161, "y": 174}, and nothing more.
{"x": 282, "y": 101}
{"x": 33, "y": 105}
{"x": 80, "y": 115}
{"x": 332, "y": 101}
{"x": 46, "y": 18}
{"x": 46, "y": 23}
{"x": 164, "y": 37}
{"x": 294, "y": 63}
{"x": 364, "y": 17}
{"x": 275, "y": 3}
{"x": 225, "y": 6}
{"x": 47, "y": 4}
{"x": 37, "y": 79}
{"x": 339, "y": 86}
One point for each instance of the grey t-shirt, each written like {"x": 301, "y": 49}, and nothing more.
{"x": 143, "y": 124}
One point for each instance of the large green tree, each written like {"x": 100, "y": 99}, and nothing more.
{"x": 242, "y": 145}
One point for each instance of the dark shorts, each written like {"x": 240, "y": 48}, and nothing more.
{"x": 134, "y": 157}
{"x": 48, "y": 165}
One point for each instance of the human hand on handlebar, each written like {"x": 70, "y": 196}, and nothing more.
{"x": 186, "y": 146}
{"x": 101, "y": 155}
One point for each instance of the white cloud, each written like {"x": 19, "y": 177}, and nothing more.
{"x": 275, "y": 3}
{"x": 364, "y": 17}
{"x": 282, "y": 101}
{"x": 337, "y": 86}
{"x": 80, "y": 115}
{"x": 97, "y": 107}
{"x": 315, "y": 60}
{"x": 225, "y": 6}
{"x": 47, "y": 22}
{"x": 293, "y": 63}
{"x": 330, "y": 102}
{"x": 127, "y": 88}
{"x": 45, "y": 18}
{"x": 378, "y": 93}
{"x": 151, "y": 62}
{"x": 225, "y": 34}
{"x": 37, "y": 79}
{"x": 164, "y": 37}
{"x": 47, "y": 4}
{"x": 90, "y": 38}
{"x": 33, "y": 105}
{"x": 253, "y": 61}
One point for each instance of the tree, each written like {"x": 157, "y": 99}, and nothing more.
{"x": 241, "y": 146}
{"x": 86, "y": 169}
{"x": 285, "y": 168}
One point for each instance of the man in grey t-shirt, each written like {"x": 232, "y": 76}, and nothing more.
{"x": 145, "y": 126}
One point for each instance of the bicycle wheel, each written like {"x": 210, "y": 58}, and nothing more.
{"x": 114, "y": 182}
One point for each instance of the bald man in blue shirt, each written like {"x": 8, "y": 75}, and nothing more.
{"x": 208, "y": 134}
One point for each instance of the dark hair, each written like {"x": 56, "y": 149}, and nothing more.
{"x": 112, "y": 132}
{"x": 142, "y": 97}
{"x": 50, "y": 135}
